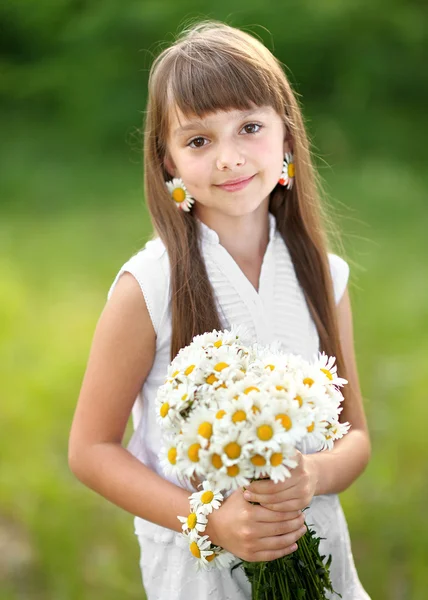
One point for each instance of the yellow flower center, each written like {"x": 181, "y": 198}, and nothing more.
{"x": 207, "y": 497}
{"x": 239, "y": 415}
{"x": 276, "y": 459}
{"x": 291, "y": 169}
{"x": 218, "y": 343}
{"x": 164, "y": 409}
{"x": 251, "y": 389}
{"x": 194, "y": 549}
{"x": 280, "y": 387}
{"x": 311, "y": 427}
{"x": 255, "y": 409}
{"x": 271, "y": 367}
{"x": 233, "y": 471}
{"x": 191, "y": 521}
{"x": 172, "y": 455}
{"x": 216, "y": 461}
{"x": 299, "y": 400}
{"x": 285, "y": 421}
{"x": 175, "y": 374}
{"x": 233, "y": 450}
{"x": 184, "y": 397}
{"x": 193, "y": 452}
{"x": 220, "y": 366}
{"x": 264, "y": 432}
{"x": 258, "y": 460}
{"x": 220, "y": 414}
{"x": 211, "y": 557}
{"x": 178, "y": 195}
{"x": 308, "y": 381}
{"x": 211, "y": 379}
{"x": 327, "y": 374}
{"x": 189, "y": 369}
{"x": 205, "y": 430}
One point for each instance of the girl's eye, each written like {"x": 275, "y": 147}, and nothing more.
{"x": 198, "y": 142}
{"x": 250, "y": 127}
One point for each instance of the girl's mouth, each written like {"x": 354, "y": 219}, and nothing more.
{"x": 239, "y": 184}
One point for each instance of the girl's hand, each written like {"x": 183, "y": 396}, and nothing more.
{"x": 293, "y": 494}
{"x": 254, "y": 533}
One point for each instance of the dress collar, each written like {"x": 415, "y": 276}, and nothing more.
{"x": 211, "y": 236}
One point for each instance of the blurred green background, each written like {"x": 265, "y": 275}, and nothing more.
{"x": 73, "y": 78}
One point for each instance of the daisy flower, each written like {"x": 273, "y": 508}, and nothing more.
{"x": 233, "y": 476}
{"x": 232, "y": 445}
{"x": 194, "y": 524}
{"x": 259, "y": 463}
{"x": 287, "y": 175}
{"x": 199, "y": 426}
{"x": 220, "y": 559}
{"x": 280, "y": 462}
{"x": 179, "y": 194}
{"x": 201, "y": 550}
{"x": 168, "y": 457}
{"x": 266, "y": 431}
{"x": 238, "y": 413}
{"x": 207, "y": 500}
{"x": 327, "y": 366}
{"x": 291, "y": 418}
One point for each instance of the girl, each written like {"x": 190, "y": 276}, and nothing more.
{"x": 246, "y": 246}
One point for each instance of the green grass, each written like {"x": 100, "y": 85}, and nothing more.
{"x": 55, "y": 270}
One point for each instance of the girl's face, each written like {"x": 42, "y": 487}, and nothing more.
{"x": 229, "y": 161}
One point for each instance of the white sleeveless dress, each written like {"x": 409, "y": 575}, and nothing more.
{"x": 278, "y": 311}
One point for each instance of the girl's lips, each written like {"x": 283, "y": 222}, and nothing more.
{"x": 234, "y": 187}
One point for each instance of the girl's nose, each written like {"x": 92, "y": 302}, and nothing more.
{"x": 229, "y": 158}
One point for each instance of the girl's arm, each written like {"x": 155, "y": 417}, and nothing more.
{"x": 121, "y": 357}
{"x": 333, "y": 471}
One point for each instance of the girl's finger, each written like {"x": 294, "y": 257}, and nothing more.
{"x": 278, "y": 542}
{"x": 267, "y": 515}
{"x": 281, "y": 528}
{"x": 275, "y": 498}
{"x": 288, "y": 505}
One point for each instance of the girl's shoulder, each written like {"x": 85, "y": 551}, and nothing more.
{"x": 339, "y": 270}
{"x": 150, "y": 267}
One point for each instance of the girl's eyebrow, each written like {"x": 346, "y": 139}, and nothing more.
{"x": 200, "y": 125}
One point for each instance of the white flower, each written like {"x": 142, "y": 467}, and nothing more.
{"x": 207, "y": 500}
{"x": 327, "y": 366}
{"x": 287, "y": 175}
{"x": 193, "y": 524}
{"x": 238, "y": 413}
{"x": 168, "y": 457}
{"x": 201, "y": 550}
{"x": 233, "y": 476}
{"x": 220, "y": 559}
{"x": 259, "y": 463}
{"x": 292, "y": 419}
{"x": 267, "y": 432}
{"x": 232, "y": 445}
{"x": 280, "y": 462}
{"x": 199, "y": 426}
{"x": 179, "y": 194}
{"x": 189, "y": 457}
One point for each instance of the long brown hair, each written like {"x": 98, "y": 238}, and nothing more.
{"x": 213, "y": 66}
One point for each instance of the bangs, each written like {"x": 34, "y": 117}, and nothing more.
{"x": 203, "y": 80}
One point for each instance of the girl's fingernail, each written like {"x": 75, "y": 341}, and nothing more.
{"x": 247, "y": 495}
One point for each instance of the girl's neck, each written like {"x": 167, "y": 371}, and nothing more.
{"x": 244, "y": 237}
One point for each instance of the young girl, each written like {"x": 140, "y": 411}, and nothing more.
{"x": 239, "y": 240}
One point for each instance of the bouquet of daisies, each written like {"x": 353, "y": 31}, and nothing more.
{"x": 232, "y": 413}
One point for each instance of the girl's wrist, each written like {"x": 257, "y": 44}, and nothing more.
{"x": 312, "y": 466}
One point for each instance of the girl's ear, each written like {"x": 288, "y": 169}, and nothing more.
{"x": 169, "y": 165}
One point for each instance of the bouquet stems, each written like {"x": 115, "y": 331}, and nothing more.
{"x": 302, "y": 575}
